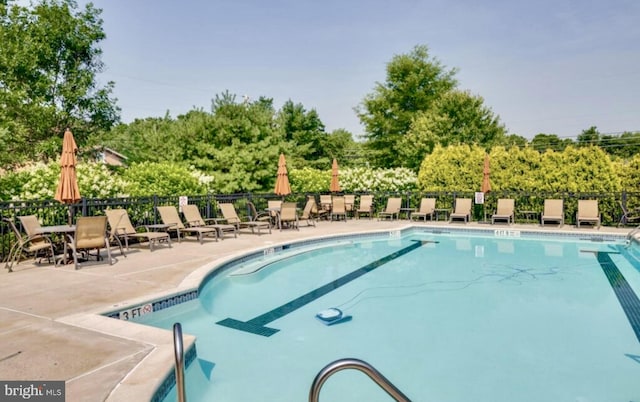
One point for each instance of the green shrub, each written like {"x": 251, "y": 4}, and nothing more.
{"x": 164, "y": 178}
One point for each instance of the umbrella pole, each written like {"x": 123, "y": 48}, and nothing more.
{"x": 70, "y": 214}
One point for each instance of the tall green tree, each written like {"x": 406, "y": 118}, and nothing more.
{"x": 456, "y": 117}
{"x": 307, "y": 131}
{"x": 49, "y": 58}
{"x": 414, "y": 81}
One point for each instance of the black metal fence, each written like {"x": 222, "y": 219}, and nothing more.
{"x": 142, "y": 210}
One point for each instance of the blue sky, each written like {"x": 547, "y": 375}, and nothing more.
{"x": 555, "y": 67}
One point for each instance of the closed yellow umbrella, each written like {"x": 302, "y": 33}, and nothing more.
{"x": 282, "y": 181}
{"x": 335, "y": 182}
{"x": 68, "y": 191}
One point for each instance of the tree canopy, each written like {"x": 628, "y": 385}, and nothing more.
{"x": 414, "y": 82}
{"x": 50, "y": 57}
{"x": 48, "y": 64}
{"x": 456, "y": 117}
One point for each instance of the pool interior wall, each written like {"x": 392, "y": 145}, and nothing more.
{"x": 267, "y": 253}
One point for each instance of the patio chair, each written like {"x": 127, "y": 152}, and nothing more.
{"x": 194, "y": 219}
{"x": 259, "y": 217}
{"x": 169, "y": 216}
{"x": 121, "y": 227}
{"x": 462, "y": 210}
{"x": 231, "y": 217}
{"x": 325, "y": 202}
{"x": 338, "y": 208}
{"x": 38, "y": 245}
{"x": 350, "y": 204}
{"x": 588, "y": 213}
{"x": 273, "y": 206}
{"x": 30, "y": 224}
{"x": 317, "y": 213}
{"x": 553, "y": 211}
{"x": 91, "y": 234}
{"x": 366, "y": 206}
{"x": 628, "y": 216}
{"x": 288, "y": 216}
{"x": 504, "y": 211}
{"x": 392, "y": 210}
{"x": 427, "y": 208}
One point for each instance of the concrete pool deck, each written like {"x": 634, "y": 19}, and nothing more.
{"x": 52, "y": 328}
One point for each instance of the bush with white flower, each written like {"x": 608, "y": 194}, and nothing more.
{"x": 356, "y": 180}
{"x": 39, "y": 182}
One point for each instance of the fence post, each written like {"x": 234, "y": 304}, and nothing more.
{"x": 155, "y": 209}
{"x": 84, "y": 206}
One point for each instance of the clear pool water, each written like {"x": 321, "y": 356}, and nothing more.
{"x": 445, "y": 317}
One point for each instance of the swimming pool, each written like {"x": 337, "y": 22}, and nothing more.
{"x": 492, "y": 316}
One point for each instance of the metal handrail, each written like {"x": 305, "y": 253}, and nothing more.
{"x": 178, "y": 349}
{"x": 360, "y": 365}
{"x": 631, "y": 236}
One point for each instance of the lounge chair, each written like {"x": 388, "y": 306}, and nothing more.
{"x": 194, "y": 219}
{"x": 231, "y": 217}
{"x": 121, "y": 227}
{"x": 169, "y": 216}
{"x": 462, "y": 210}
{"x": 427, "y": 208}
{"x": 504, "y": 211}
{"x": 307, "y": 213}
{"x": 91, "y": 234}
{"x": 288, "y": 215}
{"x": 553, "y": 211}
{"x": 588, "y": 213}
{"x": 628, "y": 216}
{"x": 338, "y": 208}
{"x": 365, "y": 207}
{"x": 392, "y": 210}
{"x": 38, "y": 245}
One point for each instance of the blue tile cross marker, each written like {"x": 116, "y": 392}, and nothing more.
{"x": 257, "y": 324}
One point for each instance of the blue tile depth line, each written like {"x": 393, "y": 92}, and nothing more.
{"x": 257, "y": 325}
{"x": 625, "y": 294}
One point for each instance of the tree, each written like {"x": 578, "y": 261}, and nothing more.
{"x": 625, "y": 145}
{"x": 306, "y": 130}
{"x": 48, "y": 64}
{"x": 339, "y": 144}
{"x": 542, "y": 142}
{"x": 414, "y": 81}
{"x": 515, "y": 140}
{"x": 456, "y": 117}
{"x": 589, "y": 137}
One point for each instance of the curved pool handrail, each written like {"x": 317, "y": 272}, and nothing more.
{"x": 632, "y": 235}
{"x": 178, "y": 349}
{"x": 356, "y": 364}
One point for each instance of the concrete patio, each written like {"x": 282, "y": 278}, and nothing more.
{"x": 52, "y": 328}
